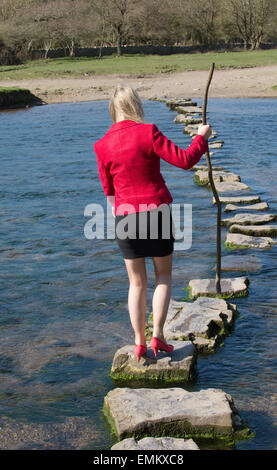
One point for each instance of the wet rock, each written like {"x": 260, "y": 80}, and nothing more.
{"x": 240, "y": 263}
{"x": 248, "y": 219}
{"x": 161, "y": 99}
{"x": 205, "y": 168}
{"x": 233, "y": 287}
{"x": 201, "y": 177}
{"x": 191, "y": 128}
{"x": 216, "y": 144}
{"x": 177, "y": 366}
{"x": 236, "y": 240}
{"x": 173, "y": 412}
{"x": 156, "y": 443}
{"x": 173, "y": 104}
{"x": 183, "y": 119}
{"x": 260, "y": 206}
{"x": 229, "y": 186}
{"x": 205, "y": 322}
{"x": 188, "y": 109}
{"x": 238, "y": 199}
{"x": 255, "y": 230}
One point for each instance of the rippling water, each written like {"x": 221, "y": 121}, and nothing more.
{"x": 64, "y": 298}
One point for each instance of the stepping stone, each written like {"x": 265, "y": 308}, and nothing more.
{"x": 190, "y": 128}
{"x": 188, "y": 109}
{"x": 239, "y": 263}
{"x": 248, "y": 219}
{"x": 161, "y": 99}
{"x": 228, "y": 186}
{"x": 217, "y": 144}
{"x": 237, "y": 199}
{"x": 205, "y": 322}
{"x": 233, "y": 287}
{"x": 201, "y": 177}
{"x": 236, "y": 240}
{"x": 177, "y": 366}
{"x": 255, "y": 230}
{"x": 175, "y": 104}
{"x": 183, "y": 119}
{"x": 260, "y": 206}
{"x": 156, "y": 443}
{"x": 173, "y": 412}
{"x": 205, "y": 168}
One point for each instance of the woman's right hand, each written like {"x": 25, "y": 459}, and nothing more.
{"x": 205, "y": 130}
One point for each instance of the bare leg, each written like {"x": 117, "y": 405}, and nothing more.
{"x": 162, "y": 293}
{"x": 137, "y": 296}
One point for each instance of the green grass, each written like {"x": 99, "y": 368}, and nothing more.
{"x": 138, "y": 64}
{"x": 11, "y": 89}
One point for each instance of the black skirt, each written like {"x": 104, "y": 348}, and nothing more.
{"x": 148, "y": 233}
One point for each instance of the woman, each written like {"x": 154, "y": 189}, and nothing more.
{"x": 128, "y": 158}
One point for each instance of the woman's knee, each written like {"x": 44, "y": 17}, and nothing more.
{"x": 138, "y": 282}
{"x": 165, "y": 278}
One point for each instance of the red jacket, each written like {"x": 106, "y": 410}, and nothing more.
{"x": 128, "y": 159}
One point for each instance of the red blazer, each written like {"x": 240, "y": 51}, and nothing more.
{"x": 128, "y": 159}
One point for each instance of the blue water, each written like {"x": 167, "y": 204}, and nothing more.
{"x": 64, "y": 298}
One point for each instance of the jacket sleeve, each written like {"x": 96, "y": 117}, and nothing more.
{"x": 105, "y": 177}
{"x": 171, "y": 153}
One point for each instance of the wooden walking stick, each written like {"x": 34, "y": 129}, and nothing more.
{"x": 218, "y": 203}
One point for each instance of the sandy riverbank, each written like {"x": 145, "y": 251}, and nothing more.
{"x": 232, "y": 83}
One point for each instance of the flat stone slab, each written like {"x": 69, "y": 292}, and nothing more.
{"x": 239, "y": 263}
{"x": 205, "y": 168}
{"x": 201, "y": 177}
{"x": 177, "y": 366}
{"x": 205, "y": 322}
{"x": 173, "y": 104}
{"x": 233, "y": 287}
{"x": 229, "y": 186}
{"x": 173, "y": 412}
{"x": 237, "y": 199}
{"x": 185, "y": 119}
{"x": 191, "y": 128}
{"x": 188, "y": 109}
{"x": 260, "y": 206}
{"x": 248, "y": 219}
{"x": 237, "y": 240}
{"x": 217, "y": 144}
{"x": 254, "y": 230}
{"x": 156, "y": 443}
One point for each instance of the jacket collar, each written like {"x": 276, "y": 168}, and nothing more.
{"x": 122, "y": 124}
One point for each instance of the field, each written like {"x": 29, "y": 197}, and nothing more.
{"x": 133, "y": 65}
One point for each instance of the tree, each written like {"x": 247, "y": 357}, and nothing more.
{"x": 201, "y": 18}
{"x": 117, "y": 14}
{"x": 250, "y": 18}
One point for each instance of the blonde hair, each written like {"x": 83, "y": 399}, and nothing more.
{"x": 125, "y": 100}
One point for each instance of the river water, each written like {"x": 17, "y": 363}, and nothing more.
{"x": 64, "y": 298}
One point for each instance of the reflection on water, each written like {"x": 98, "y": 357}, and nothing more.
{"x": 64, "y": 298}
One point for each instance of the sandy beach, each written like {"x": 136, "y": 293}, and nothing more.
{"x": 253, "y": 82}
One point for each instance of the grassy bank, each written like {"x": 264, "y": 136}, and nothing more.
{"x": 14, "y": 97}
{"x": 136, "y": 64}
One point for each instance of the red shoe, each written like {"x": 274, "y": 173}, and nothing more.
{"x": 157, "y": 344}
{"x": 139, "y": 350}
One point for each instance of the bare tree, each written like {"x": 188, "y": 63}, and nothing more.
{"x": 250, "y": 17}
{"x": 116, "y": 14}
{"x": 201, "y": 19}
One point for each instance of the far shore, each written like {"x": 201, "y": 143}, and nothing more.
{"x": 253, "y": 82}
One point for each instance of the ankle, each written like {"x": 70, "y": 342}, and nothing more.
{"x": 158, "y": 335}
{"x": 140, "y": 341}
